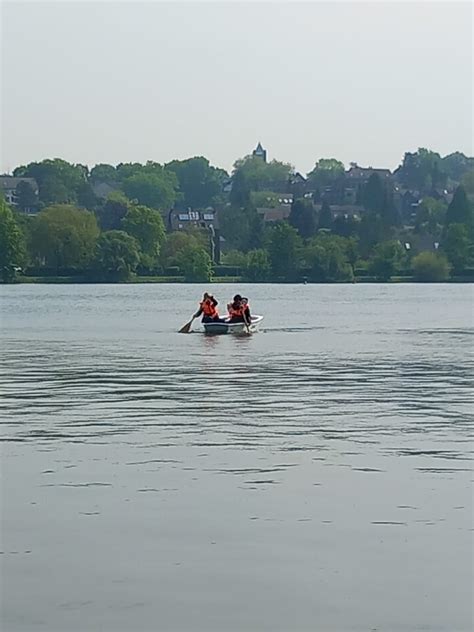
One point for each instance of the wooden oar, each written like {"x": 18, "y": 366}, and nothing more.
{"x": 247, "y": 324}
{"x": 185, "y": 329}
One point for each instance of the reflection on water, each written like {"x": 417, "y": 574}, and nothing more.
{"x": 344, "y": 430}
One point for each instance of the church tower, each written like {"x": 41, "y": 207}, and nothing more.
{"x": 260, "y": 152}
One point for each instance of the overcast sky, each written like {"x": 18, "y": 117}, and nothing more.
{"x": 117, "y": 82}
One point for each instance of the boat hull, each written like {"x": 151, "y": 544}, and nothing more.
{"x": 232, "y": 328}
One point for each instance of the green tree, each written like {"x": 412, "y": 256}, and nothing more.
{"x": 146, "y": 225}
{"x": 117, "y": 255}
{"x": 243, "y": 228}
{"x": 26, "y": 197}
{"x": 86, "y": 197}
{"x": 234, "y": 258}
{"x": 12, "y": 244}
{"x": 257, "y": 266}
{"x": 63, "y": 236}
{"x": 345, "y": 226}
{"x": 179, "y": 241}
{"x": 456, "y": 165}
{"x": 328, "y": 258}
{"x": 387, "y": 259}
{"x": 303, "y": 217}
{"x": 283, "y": 249}
{"x": 374, "y": 195}
{"x": 253, "y": 174}
{"x": 325, "y": 217}
{"x": 457, "y": 246}
{"x": 460, "y": 210}
{"x": 58, "y": 180}
{"x": 155, "y": 190}
{"x": 377, "y": 198}
{"x": 113, "y": 211}
{"x": 196, "y": 265}
{"x": 467, "y": 182}
{"x": 372, "y": 231}
{"x": 199, "y": 182}
{"x": 430, "y": 267}
{"x": 326, "y": 172}
{"x": 103, "y": 173}
{"x": 264, "y": 199}
{"x": 430, "y": 216}
{"x": 421, "y": 170}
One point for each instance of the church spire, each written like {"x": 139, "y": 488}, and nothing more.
{"x": 260, "y": 152}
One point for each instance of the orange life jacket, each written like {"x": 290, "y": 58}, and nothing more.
{"x": 237, "y": 311}
{"x": 208, "y": 309}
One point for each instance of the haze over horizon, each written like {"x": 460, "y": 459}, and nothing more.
{"x": 113, "y": 82}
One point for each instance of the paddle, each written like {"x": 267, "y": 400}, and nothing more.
{"x": 185, "y": 329}
{"x": 247, "y": 324}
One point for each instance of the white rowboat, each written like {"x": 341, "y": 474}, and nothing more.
{"x": 232, "y": 328}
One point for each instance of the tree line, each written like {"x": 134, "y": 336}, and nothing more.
{"x": 111, "y": 237}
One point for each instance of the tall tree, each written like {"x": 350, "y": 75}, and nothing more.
{"x": 421, "y": 170}
{"x": 283, "y": 250}
{"x": 58, "y": 180}
{"x": 467, "y": 182}
{"x": 116, "y": 256}
{"x": 387, "y": 259}
{"x": 377, "y": 198}
{"x": 325, "y": 217}
{"x": 26, "y": 197}
{"x": 326, "y": 172}
{"x": 179, "y": 241}
{"x": 103, "y": 173}
{"x": 374, "y": 195}
{"x": 303, "y": 217}
{"x": 150, "y": 190}
{"x": 430, "y": 267}
{"x": 430, "y": 216}
{"x": 253, "y": 174}
{"x": 257, "y": 266}
{"x": 146, "y": 225}
{"x": 196, "y": 265}
{"x": 112, "y": 212}
{"x": 12, "y": 244}
{"x": 199, "y": 182}
{"x": 460, "y": 209}
{"x": 457, "y": 246}
{"x": 329, "y": 257}
{"x": 456, "y": 165}
{"x": 243, "y": 228}
{"x": 63, "y": 236}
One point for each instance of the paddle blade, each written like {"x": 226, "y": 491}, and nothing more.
{"x": 185, "y": 329}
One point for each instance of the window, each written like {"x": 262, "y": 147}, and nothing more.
{"x": 194, "y": 215}
{"x": 208, "y": 216}
{"x": 183, "y": 217}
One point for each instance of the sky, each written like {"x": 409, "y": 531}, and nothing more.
{"x": 114, "y": 81}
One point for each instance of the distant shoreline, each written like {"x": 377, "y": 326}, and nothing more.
{"x": 59, "y": 280}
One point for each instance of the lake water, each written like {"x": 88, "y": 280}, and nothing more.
{"x": 316, "y": 475}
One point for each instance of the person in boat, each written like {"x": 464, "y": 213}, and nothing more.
{"x": 239, "y": 310}
{"x": 208, "y": 309}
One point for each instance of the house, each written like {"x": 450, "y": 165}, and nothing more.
{"x": 206, "y": 219}
{"x": 280, "y": 211}
{"x": 181, "y": 220}
{"x": 22, "y": 192}
{"x": 354, "y": 211}
{"x": 356, "y": 178}
{"x": 360, "y": 175}
{"x": 298, "y": 185}
{"x": 270, "y": 215}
